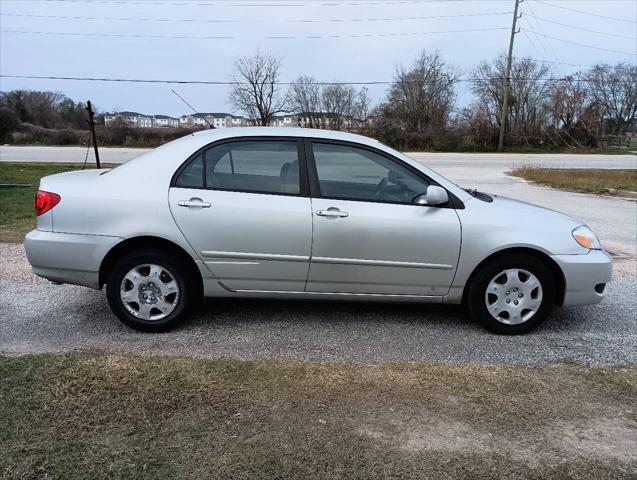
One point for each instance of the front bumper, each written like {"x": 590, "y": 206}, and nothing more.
{"x": 68, "y": 257}
{"x": 586, "y": 276}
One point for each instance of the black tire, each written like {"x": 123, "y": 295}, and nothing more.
{"x": 185, "y": 300}
{"x": 476, "y": 302}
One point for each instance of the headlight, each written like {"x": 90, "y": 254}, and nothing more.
{"x": 586, "y": 238}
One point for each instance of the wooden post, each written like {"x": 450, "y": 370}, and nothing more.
{"x": 91, "y": 124}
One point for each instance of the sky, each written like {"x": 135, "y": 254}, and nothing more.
{"x": 350, "y": 40}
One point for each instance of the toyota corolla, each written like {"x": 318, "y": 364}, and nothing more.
{"x": 305, "y": 214}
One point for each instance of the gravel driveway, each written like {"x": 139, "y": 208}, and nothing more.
{"x": 40, "y": 317}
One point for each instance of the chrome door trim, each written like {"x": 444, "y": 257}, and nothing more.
{"x": 255, "y": 256}
{"x": 334, "y": 294}
{"x": 380, "y": 263}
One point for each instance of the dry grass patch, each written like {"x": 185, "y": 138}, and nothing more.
{"x": 580, "y": 180}
{"x": 102, "y": 416}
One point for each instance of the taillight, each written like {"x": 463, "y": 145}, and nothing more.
{"x": 45, "y": 201}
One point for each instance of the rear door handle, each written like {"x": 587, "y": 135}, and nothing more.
{"x": 332, "y": 212}
{"x": 193, "y": 202}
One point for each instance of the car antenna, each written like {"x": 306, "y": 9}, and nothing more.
{"x": 192, "y": 108}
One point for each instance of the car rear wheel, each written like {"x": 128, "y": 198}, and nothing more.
{"x": 148, "y": 291}
{"x": 512, "y": 294}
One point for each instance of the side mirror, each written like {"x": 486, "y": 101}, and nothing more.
{"x": 435, "y": 196}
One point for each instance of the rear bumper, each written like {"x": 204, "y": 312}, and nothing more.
{"x": 68, "y": 257}
{"x": 586, "y": 276}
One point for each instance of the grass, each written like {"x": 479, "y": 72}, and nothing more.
{"x": 101, "y": 416}
{"x": 17, "y": 210}
{"x": 580, "y": 180}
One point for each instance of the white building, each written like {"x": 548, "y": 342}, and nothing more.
{"x": 164, "y": 121}
{"x": 130, "y": 119}
{"x": 281, "y": 121}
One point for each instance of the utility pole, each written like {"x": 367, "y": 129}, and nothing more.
{"x": 507, "y": 80}
{"x": 91, "y": 125}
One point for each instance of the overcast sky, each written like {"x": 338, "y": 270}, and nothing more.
{"x": 402, "y": 33}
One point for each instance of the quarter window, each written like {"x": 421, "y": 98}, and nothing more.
{"x": 353, "y": 173}
{"x": 260, "y": 166}
{"x": 192, "y": 175}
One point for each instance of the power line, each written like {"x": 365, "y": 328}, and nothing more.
{"x": 523, "y": 30}
{"x": 545, "y": 37}
{"x": 552, "y": 61}
{"x": 597, "y": 15}
{"x": 581, "y": 28}
{"x": 224, "y": 82}
{"x": 271, "y": 37}
{"x": 263, "y": 4}
{"x": 196, "y": 20}
{"x": 586, "y": 45}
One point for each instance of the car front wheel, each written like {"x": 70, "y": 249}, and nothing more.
{"x": 148, "y": 291}
{"x": 512, "y": 294}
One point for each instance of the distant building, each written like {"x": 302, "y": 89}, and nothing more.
{"x": 216, "y": 119}
{"x": 130, "y": 119}
{"x": 227, "y": 120}
{"x": 281, "y": 121}
{"x": 164, "y": 121}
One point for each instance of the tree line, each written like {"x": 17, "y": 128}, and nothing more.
{"x": 45, "y": 109}
{"x": 420, "y": 107}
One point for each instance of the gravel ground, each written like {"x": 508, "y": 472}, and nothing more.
{"x": 39, "y": 317}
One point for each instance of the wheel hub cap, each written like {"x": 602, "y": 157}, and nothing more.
{"x": 149, "y": 292}
{"x": 513, "y": 296}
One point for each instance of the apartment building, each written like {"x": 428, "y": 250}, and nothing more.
{"x": 130, "y": 119}
{"x": 227, "y": 120}
{"x": 164, "y": 121}
{"x": 217, "y": 120}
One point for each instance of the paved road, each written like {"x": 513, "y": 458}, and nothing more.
{"x": 459, "y": 161}
{"x": 67, "y": 154}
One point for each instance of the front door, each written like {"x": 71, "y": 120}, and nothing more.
{"x": 369, "y": 236}
{"x": 242, "y": 208}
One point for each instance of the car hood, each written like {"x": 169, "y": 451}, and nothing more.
{"x": 530, "y": 209}
{"x": 530, "y": 213}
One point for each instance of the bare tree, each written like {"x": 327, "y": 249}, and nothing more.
{"x": 362, "y": 104}
{"x": 423, "y": 96}
{"x": 255, "y": 90}
{"x": 305, "y": 98}
{"x": 338, "y": 102}
{"x": 568, "y": 100}
{"x": 614, "y": 89}
{"x": 529, "y": 94}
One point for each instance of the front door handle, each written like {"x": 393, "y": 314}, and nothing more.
{"x": 332, "y": 212}
{"x": 193, "y": 202}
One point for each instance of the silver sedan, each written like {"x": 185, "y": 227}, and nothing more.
{"x": 296, "y": 213}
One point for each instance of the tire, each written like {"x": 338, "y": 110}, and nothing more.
{"x": 168, "y": 287}
{"x": 507, "y": 288}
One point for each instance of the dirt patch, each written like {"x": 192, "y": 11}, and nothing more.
{"x": 604, "y": 438}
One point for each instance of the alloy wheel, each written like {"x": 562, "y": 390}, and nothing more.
{"x": 149, "y": 292}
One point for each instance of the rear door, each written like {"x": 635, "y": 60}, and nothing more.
{"x": 244, "y": 207}
{"x": 369, "y": 236}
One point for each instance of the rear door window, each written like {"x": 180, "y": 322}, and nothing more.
{"x": 259, "y": 166}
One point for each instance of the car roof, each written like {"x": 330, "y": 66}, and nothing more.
{"x": 237, "y": 132}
